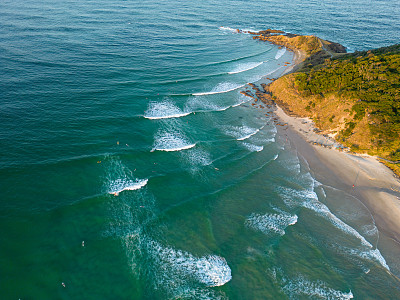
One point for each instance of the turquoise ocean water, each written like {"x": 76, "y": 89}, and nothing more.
{"x": 131, "y": 167}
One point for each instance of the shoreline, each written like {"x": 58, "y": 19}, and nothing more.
{"x": 375, "y": 185}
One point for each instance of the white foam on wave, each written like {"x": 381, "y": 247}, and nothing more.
{"x": 124, "y": 184}
{"x": 250, "y": 134}
{"x": 252, "y": 147}
{"x": 120, "y": 178}
{"x": 280, "y": 53}
{"x": 177, "y": 265}
{"x": 367, "y": 252}
{"x": 164, "y": 110}
{"x": 202, "y": 104}
{"x": 292, "y": 164}
{"x": 370, "y": 229}
{"x": 245, "y": 67}
{"x": 171, "y": 141}
{"x": 226, "y": 28}
{"x": 241, "y": 133}
{"x": 243, "y": 31}
{"x": 223, "y": 87}
{"x": 238, "y": 104}
{"x": 300, "y": 286}
{"x": 271, "y": 223}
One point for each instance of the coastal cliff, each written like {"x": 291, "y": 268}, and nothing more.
{"x": 353, "y": 98}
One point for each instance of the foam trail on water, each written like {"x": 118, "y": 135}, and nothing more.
{"x": 271, "y": 223}
{"x": 309, "y": 199}
{"x": 325, "y": 212}
{"x": 198, "y": 157}
{"x": 280, "y": 53}
{"x": 245, "y": 67}
{"x": 164, "y": 110}
{"x": 202, "y": 104}
{"x": 223, "y": 87}
{"x": 177, "y": 267}
{"x": 300, "y": 286}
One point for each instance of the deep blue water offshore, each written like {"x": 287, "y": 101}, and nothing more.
{"x": 141, "y": 99}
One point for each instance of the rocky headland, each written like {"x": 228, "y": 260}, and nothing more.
{"x": 352, "y": 100}
{"x": 345, "y": 102}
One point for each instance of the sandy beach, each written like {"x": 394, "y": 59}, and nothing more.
{"x": 375, "y": 185}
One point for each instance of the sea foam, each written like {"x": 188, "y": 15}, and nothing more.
{"x": 223, "y": 87}
{"x": 301, "y": 287}
{"x": 119, "y": 185}
{"x": 309, "y": 199}
{"x": 271, "y": 223}
{"x": 280, "y": 53}
{"x": 245, "y": 67}
{"x": 171, "y": 141}
{"x": 252, "y": 147}
{"x": 120, "y": 178}
{"x": 177, "y": 265}
{"x": 164, "y": 110}
{"x": 241, "y": 132}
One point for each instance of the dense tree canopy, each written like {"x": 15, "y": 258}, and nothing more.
{"x": 371, "y": 79}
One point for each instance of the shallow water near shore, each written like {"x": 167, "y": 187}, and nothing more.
{"x": 132, "y": 167}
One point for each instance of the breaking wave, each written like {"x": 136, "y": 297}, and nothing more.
{"x": 300, "y": 286}
{"x": 124, "y": 184}
{"x": 171, "y": 141}
{"x": 280, "y": 53}
{"x": 172, "y": 264}
{"x": 119, "y": 178}
{"x": 245, "y": 67}
{"x": 249, "y": 135}
{"x": 252, "y": 147}
{"x": 241, "y": 133}
{"x": 309, "y": 199}
{"x": 226, "y": 28}
{"x": 223, "y": 87}
{"x": 164, "y": 110}
{"x": 368, "y": 250}
{"x": 271, "y": 223}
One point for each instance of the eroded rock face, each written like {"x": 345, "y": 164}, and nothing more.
{"x": 336, "y": 47}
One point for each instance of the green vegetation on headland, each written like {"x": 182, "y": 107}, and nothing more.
{"x": 353, "y": 97}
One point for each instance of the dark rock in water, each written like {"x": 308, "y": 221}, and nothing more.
{"x": 247, "y": 93}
